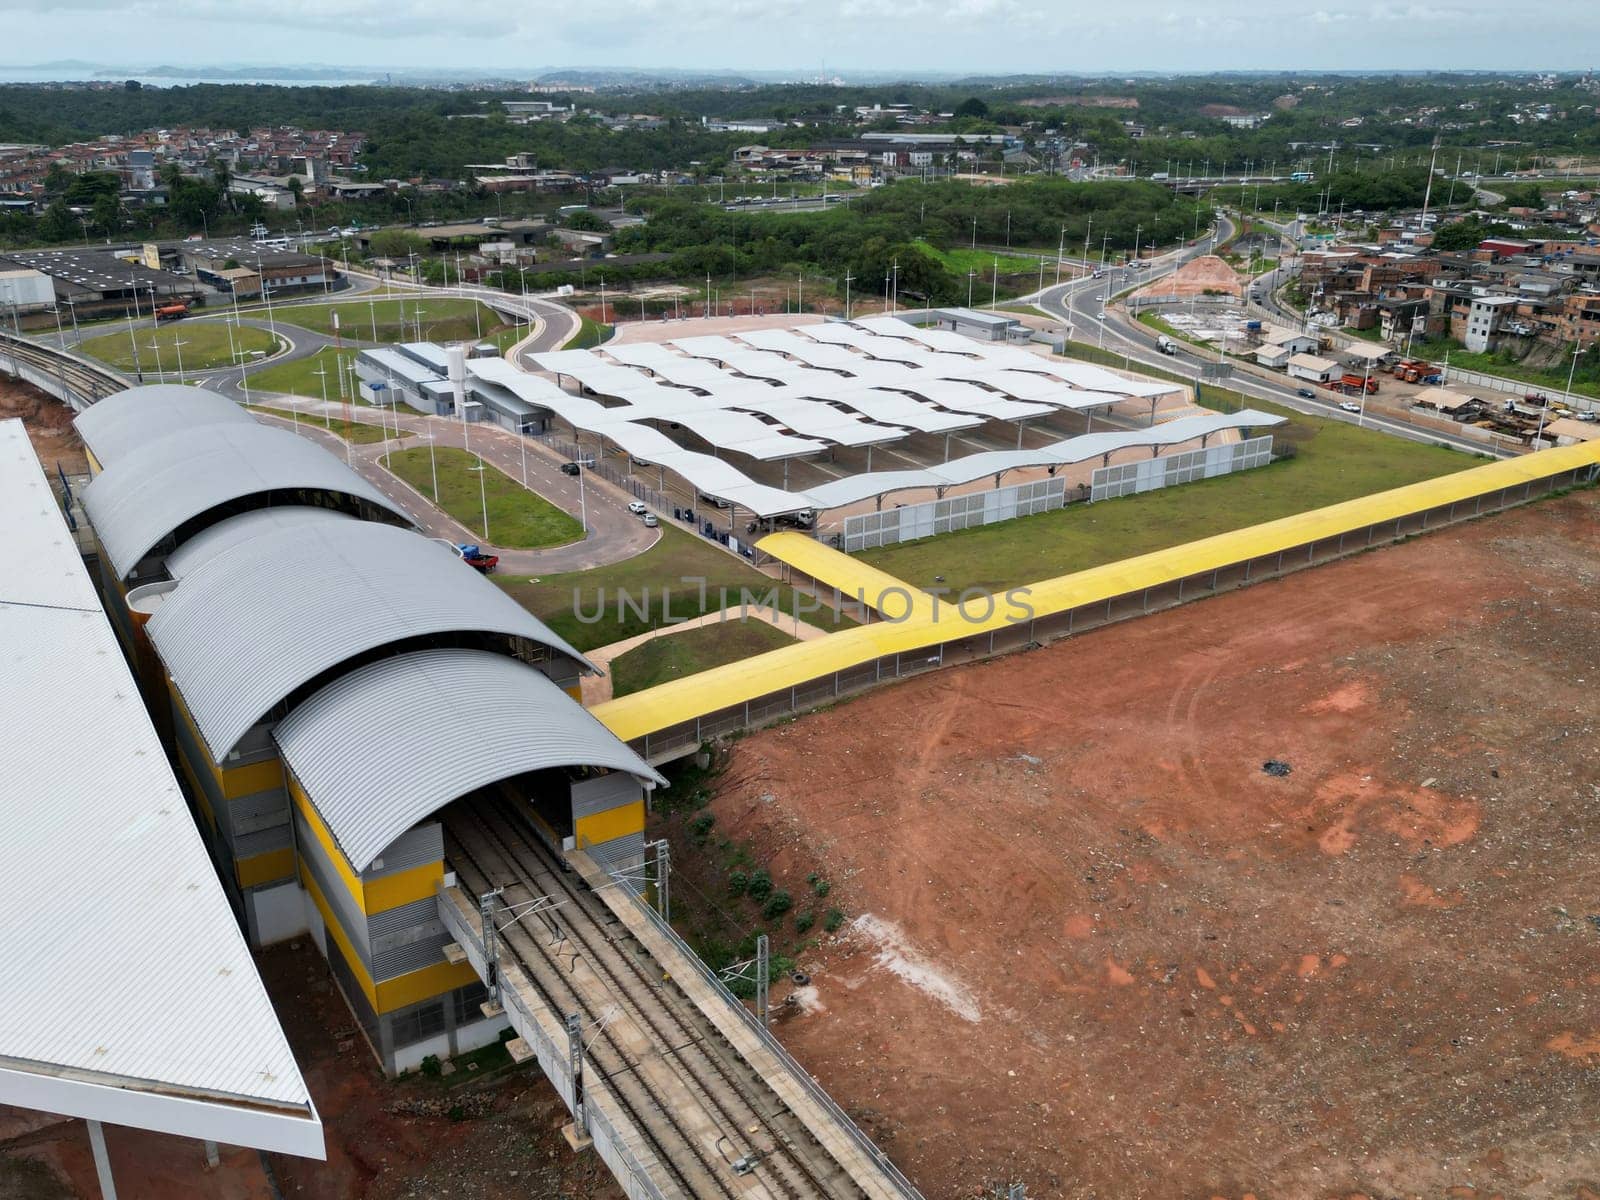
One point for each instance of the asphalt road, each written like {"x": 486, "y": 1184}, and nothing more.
{"x": 1079, "y": 305}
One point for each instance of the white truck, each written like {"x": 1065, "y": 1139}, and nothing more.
{"x": 1165, "y": 344}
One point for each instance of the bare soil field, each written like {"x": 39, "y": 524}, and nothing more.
{"x": 1197, "y": 277}
{"x": 1094, "y": 946}
{"x": 49, "y": 426}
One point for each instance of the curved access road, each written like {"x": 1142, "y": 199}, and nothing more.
{"x": 1082, "y": 306}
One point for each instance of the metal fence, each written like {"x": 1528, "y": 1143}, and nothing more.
{"x": 75, "y": 381}
{"x": 909, "y": 521}
{"x": 799, "y": 1074}
{"x": 1151, "y": 474}
{"x": 656, "y": 500}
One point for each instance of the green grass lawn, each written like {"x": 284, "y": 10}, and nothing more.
{"x": 960, "y": 260}
{"x": 393, "y": 320}
{"x": 1333, "y": 461}
{"x": 589, "y": 335}
{"x": 653, "y": 581}
{"x": 205, "y": 344}
{"x": 299, "y": 377}
{"x": 352, "y": 431}
{"x": 672, "y": 656}
{"x": 518, "y": 518}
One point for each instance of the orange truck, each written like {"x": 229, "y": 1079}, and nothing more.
{"x": 172, "y": 312}
{"x": 1357, "y": 382}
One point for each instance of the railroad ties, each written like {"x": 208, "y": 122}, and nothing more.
{"x": 694, "y": 1115}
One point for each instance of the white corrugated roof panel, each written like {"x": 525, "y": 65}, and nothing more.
{"x": 369, "y": 585}
{"x": 127, "y": 970}
{"x": 416, "y": 712}
{"x": 123, "y": 421}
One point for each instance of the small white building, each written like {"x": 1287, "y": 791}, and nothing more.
{"x": 1276, "y": 357}
{"x": 1309, "y": 366}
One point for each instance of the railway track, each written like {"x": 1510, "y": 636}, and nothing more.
{"x": 752, "y": 1123}
{"x": 88, "y": 382}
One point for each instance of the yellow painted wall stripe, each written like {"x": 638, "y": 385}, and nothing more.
{"x": 403, "y": 887}
{"x": 347, "y": 874}
{"x": 375, "y": 895}
{"x": 337, "y": 933}
{"x": 265, "y": 868}
{"x": 263, "y": 776}
{"x": 437, "y": 980}
{"x": 612, "y": 823}
{"x": 402, "y": 991}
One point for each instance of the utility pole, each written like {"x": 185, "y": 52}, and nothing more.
{"x": 491, "y": 951}
{"x": 847, "y": 278}
{"x": 580, "y": 1120}
{"x": 663, "y": 879}
{"x": 763, "y": 968}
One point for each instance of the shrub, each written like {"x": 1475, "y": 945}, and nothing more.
{"x": 834, "y": 919}
{"x": 430, "y": 1066}
{"x": 760, "y": 886}
{"x": 804, "y": 921}
{"x": 777, "y": 904}
{"x": 737, "y": 882}
{"x": 700, "y": 827}
{"x": 820, "y": 886}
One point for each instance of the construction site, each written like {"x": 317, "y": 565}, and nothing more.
{"x": 1281, "y": 893}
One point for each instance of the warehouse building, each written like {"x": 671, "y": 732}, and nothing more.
{"x": 330, "y": 679}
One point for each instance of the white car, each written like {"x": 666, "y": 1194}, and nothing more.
{"x": 650, "y": 521}
{"x": 1350, "y": 406}
{"x": 637, "y": 507}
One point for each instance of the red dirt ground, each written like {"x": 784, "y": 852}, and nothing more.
{"x": 1197, "y": 277}
{"x": 49, "y": 426}
{"x": 385, "y": 1138}
{"x": 1097, "y": 949}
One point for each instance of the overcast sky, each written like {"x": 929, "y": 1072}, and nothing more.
{"x": 799, "y": 36}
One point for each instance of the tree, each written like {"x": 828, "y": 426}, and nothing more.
{"x": 397, "y": 243}
{"x": 107, "y": 214}
{"x": 297, "y": 190}
{"x": 58, "y": 223}
{"x": 588, "y": 222}
{"x": 972, "y": 107}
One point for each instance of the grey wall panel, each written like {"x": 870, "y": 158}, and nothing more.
{"x": 258, "y": 811}
{"x": 417, "y": 846}
{"x": 590, "y": 796}
{"x": 401, "y": 955}
{"x": 405, "y": 916}
{"x": 624, "y": 851}
{"x": 262, "y": 842}
{"x": 315, "y": 861}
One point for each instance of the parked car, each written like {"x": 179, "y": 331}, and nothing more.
{"x": 637, "y": 508}
{"x": 650, "y": 521}
{"x": 569, "y": 468}
{"x": 1305, "y": 393}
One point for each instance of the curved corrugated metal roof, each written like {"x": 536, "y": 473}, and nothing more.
{"x": 224, "y": 535}
{"x": 245, "y": 630}
{"x": 126, "y": 420}
{"x": 159, "y": 486}
{"x": 434, "y": 725}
